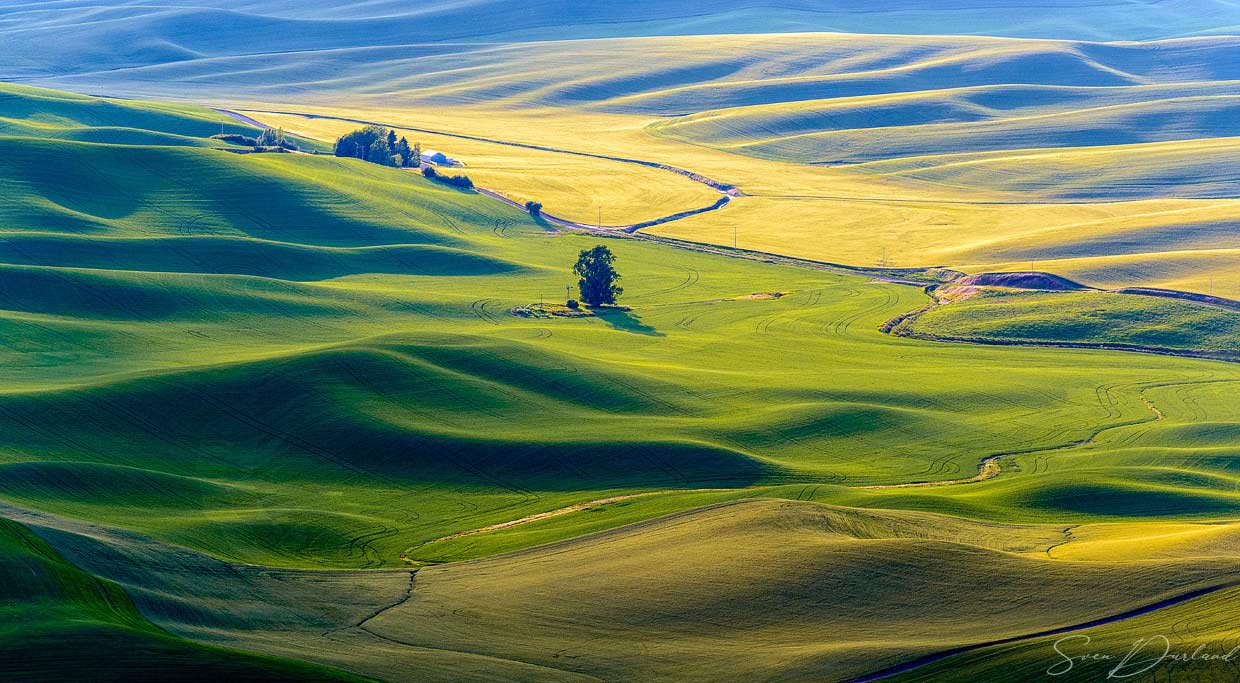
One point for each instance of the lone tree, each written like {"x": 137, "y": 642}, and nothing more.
{"x": 534, "y": 208}
{"x": 598, "y": 276}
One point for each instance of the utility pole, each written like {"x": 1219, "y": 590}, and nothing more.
{"x": 599, "y": 224}
{"x": 733, "y": 235}
{"x": 568, "y": 292}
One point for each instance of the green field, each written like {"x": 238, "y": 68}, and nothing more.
{"x": 1091, "y": 317}
{"x": 279, "y": 403}
{"x": 63, "y": 624}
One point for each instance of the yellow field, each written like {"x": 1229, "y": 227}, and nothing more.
{"x": 573, "y": 187}
{"x": 831, "y": 213}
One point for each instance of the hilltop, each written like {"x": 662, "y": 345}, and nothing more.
{"x": 73, "y": 37}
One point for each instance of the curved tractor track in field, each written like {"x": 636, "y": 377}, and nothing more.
{"x": 727, "y": 190}
{"x": 991, "y": 467}
{"x": 577, "y": 507}
{"x": 539, "y": 516}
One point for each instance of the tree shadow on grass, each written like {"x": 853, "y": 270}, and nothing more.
{"x": 626, "y": 321}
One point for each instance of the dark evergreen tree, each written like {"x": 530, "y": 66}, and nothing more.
{"x": 406, "y": 154}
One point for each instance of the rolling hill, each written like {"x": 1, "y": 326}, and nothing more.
{"x": 372, "y": 309}
{"x": 1154, "y": 323}
{"x": 63, "y": 624}
{"x": 230, "y": 381}
{"x": 73, "y": 36}
{"x": 783, "y": 599}
{"x": 287, "y": 416}
{"x": 952, "y": 150}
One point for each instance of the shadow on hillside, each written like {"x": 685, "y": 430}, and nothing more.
{"x": 626, "y": 321}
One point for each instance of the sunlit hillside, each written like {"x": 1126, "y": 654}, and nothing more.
{"x": 68, "y": 36}
{"x": 975, "y": 153}
{"x": 316, "y": 363}
{"x": 602, "y": 342}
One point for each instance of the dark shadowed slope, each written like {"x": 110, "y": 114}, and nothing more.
{"x": 64, "y": 624}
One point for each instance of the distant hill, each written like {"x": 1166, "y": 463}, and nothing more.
{"x": 76, "y": 36}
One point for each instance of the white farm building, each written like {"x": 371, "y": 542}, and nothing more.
{"x": 434, "y": 158}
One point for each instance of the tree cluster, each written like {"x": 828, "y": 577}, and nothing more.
{"x": 379, "y": 145}
{"x": 275, "y": 137}
{"x": 268, "y": 138}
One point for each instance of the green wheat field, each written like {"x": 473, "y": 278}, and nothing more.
{"x": 926, "y": 366}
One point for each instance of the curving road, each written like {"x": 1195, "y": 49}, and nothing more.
{"x": 909, "y": 276}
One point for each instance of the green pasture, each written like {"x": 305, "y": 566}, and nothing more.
{"x": 308, "y": 361}
{"x": 211, "y": 361}
{"x": 1155, "y": 323}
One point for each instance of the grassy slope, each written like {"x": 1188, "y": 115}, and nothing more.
{"x": 784, "y": 593}
{"x": 308, "y": 362}
{"x": 784, "y": 602}
{"x": 1162, "y": 643}
{"x": 42, "y": 113}
{"x": 372, "y": 317}
{"x": 320, "y": 616}
{"x": 1158, "y": 647}
{"x": 1086, "y": 317}
{"x": 63, "y": 624}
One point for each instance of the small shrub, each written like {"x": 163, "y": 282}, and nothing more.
{"x": 461, "y": 181}
{"x": 572, "y": 303}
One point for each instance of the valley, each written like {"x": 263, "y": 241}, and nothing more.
{"x": 924, "y": 360}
